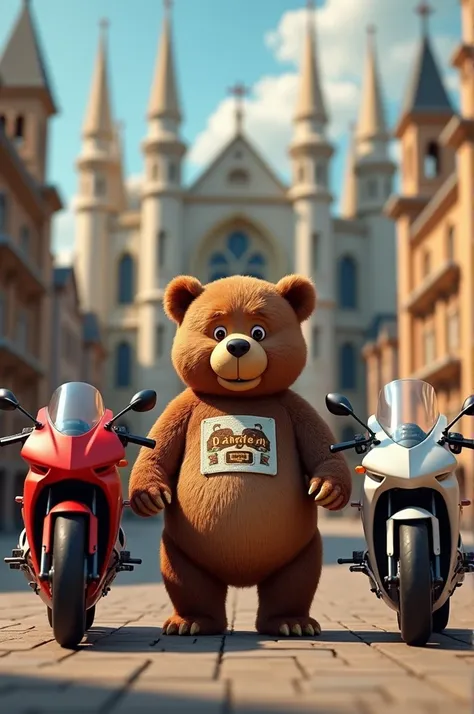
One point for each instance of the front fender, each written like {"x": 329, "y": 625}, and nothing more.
{"x": 70, "y": 507}
{"x": 412, "y": 514}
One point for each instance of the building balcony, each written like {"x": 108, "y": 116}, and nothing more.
{"x": 19, "y": 263}
{"x": 441, "y": 283}
{"x": 444, "y": 370}
{"x": 14, "y": 358}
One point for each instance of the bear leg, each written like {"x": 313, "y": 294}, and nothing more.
{"x": 286, "y": 596}
{"x": 198, "y": 598}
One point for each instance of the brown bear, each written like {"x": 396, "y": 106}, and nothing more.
{"x": 235, "y": 454}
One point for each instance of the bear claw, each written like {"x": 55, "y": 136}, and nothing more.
{"x": 194, "y": 628}
{"x": 285, "y": 630}
{"x": 296, "y": 630}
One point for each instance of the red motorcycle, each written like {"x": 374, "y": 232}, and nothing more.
{"x": 72, "y": 546}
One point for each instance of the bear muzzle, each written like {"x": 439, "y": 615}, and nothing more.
{"x": 239, "y": 362}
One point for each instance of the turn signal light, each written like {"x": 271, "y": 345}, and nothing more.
{"x": 360, "y": 469}
{"x": 122, "y": 463}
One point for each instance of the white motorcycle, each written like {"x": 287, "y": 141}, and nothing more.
{"x": 411, "y": 505}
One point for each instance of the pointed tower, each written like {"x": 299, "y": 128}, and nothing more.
{"x": 161, "y": 239}
{"x": 349, "y": 192}
{"x": 26, "y": 97}
{"x": 426, "y": 164}
{"x": 314, "y": 254}
{"x": 98, "y": 167}
{"x": 375, "y": 170}
{"x": 426, "y": 111}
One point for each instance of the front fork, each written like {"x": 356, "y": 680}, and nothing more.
{"x": 120, "y": 559}
{"x": 360, "y": 563}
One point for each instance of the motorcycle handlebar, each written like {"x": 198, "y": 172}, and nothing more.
{"x": 141, "y": 441}
{"x": 16, "y": 438}
{"x": 343, "y": 446}
{"x": 458, "y": 441}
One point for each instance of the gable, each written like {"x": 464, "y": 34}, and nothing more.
{"x": 238, "y": 171}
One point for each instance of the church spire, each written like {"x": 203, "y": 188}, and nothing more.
{"x": 22, "y": 64}
{"x": 349, "y": 195}
{"x": 164, "y": 99}
{"x": 426, "y": 92}
{"x": 98, "y": 120}
{"x": 310, "y": 101}
{"x": 371, "y": 125}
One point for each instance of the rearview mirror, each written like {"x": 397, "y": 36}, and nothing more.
{"x": 339, "y": 405}
{"x": 468, "y": 406}
{"x": 143, "y": 401}
{"x": 8, "y": 401}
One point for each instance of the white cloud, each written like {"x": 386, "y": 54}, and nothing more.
{"x": 341, "y": 50}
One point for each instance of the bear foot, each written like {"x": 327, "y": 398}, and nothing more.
{"x": 193, "y": 626}
{"x": 287, "y": 626}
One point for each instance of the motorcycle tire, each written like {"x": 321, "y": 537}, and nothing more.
{"x": 90, "y": 617}
{"x": 441, "y": 617}
{"x": 50, "y": 616}
{"x": 415, "y": 584}
{"x": 69, "y": 580}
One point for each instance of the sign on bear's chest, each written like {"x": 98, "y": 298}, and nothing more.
{"x": 238, "y": 444}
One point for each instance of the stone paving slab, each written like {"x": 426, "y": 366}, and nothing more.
{"x": 358, "y": 665}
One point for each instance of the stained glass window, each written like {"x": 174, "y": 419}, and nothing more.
{"x": 237, "y": 258}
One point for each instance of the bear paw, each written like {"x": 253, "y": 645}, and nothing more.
{"x": 193, "y": 626}
{"x": 148, "y": 502}
{"x": 288, "y": 626}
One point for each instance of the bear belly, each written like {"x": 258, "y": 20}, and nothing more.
{"x": 242, "y": 526}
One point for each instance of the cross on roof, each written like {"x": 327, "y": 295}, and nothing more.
{"x": 239, "y": 91}
{"x": 424, "y": 10}
{"x": 104, "y": 24}
{"x": 168, "y": 4}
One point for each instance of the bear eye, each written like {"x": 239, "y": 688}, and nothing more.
{"x": 258, "y": 333}
{"x": 220, "y": 333}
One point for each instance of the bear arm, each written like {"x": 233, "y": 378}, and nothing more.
{"x": 313, "y": 438}
{"x": 160, "y": 466}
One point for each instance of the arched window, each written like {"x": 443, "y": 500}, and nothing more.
{"x": 450, "y": 244}
{"x": 125, "y": 279}
{"x": 19, "y": 127}
{"x": 161, "y": 248}
{"x": 426, "y": 263}
{"x": 348, "y": 366}
{"x": 123, "y": 364}
{"x": 237, "y": 258}
{"x": 348, "y": 433}
{"x": 347, "y": 283}
{"x": 432, "y": 163}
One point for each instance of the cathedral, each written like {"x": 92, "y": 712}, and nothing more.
{"x": 238, "y": 217}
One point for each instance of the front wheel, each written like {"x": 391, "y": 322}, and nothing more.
{"x": 415, "y": 585}
{"x": 69, "y": 580}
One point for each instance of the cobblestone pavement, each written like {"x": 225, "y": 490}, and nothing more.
{"x": 358, "y": 664}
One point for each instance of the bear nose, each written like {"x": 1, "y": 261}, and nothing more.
{"x": 238, "y": 347}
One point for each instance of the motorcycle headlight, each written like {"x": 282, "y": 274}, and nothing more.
{"x": 375, "y": 477}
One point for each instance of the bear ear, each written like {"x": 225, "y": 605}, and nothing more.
{"x": 179, "y": 295}
{"x": 300, "y": 293}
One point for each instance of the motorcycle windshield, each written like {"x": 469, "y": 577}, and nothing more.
{"x": 75, "y": 408}
{"x": 407, "y": 411}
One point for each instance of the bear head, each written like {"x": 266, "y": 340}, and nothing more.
{"x": 239, "y": 336}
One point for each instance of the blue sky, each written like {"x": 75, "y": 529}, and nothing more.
{"x": 216, "y": 44}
